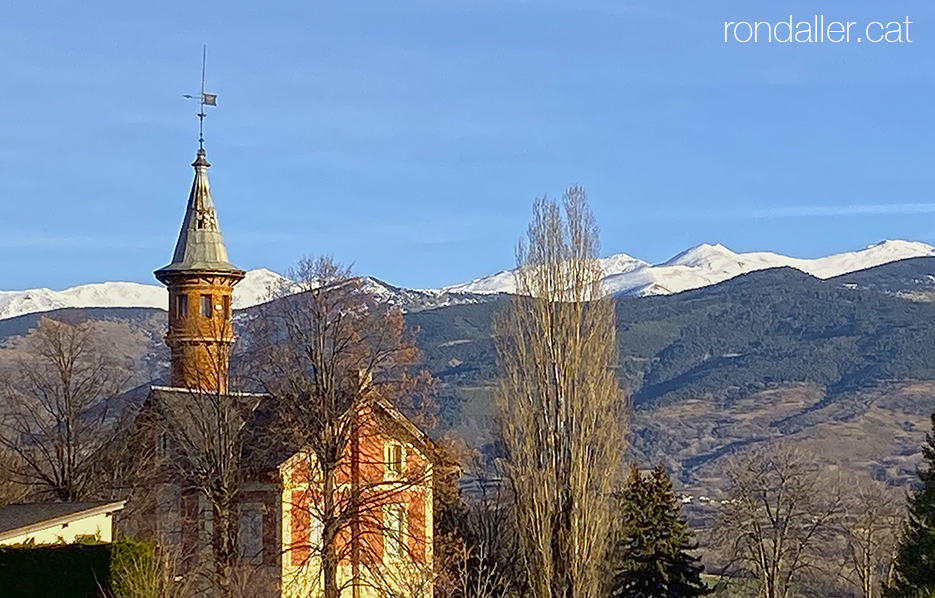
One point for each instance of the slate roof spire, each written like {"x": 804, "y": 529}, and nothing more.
{"x": 200, "y": 246}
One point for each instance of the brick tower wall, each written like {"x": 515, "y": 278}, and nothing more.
{"x": 200, "y": 329}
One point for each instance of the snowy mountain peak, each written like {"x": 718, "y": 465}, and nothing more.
{"x": 705, "y": 253}
{"x": 708, "y": 264}
{"x": 624, "y": 275}
{"x": 257, "y": 287}
{"x": 621, "y": 262}
{"x": 503, "y": 282}
{"x": 253, "y": 289}
{"x": 899, "y": 247}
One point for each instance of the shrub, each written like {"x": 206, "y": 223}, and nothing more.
{"x": 83, "y": 570}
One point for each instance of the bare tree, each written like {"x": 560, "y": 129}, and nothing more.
{"x": 486, "y": 565}
{"x": 11, "y": 490}
{"x": 58, "y": 419}
{"x": 559, "y": 401}
{"x": 324, "y": 350}
{"x": 203, "y": 429}
{"x": 779, "y": 521}
{"x": 870, "y": 529}
{"x": 206, "y": 432}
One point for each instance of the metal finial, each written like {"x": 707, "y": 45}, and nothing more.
{"x": 201, "y": 113}
{"x": 204, "y": 99}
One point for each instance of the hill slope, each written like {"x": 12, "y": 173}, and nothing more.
{"x": 843, "y": 366}
{"x": 759, "y": 329}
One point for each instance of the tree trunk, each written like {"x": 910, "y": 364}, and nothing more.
{"x": 329, "y": 553}
{"x": 225, "y": 546}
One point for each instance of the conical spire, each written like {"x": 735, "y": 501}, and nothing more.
{"x": 200, "y": 246}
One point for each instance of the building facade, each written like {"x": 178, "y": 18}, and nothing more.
{"x": 386, "y": 549}
{"x": 384, "y": 486}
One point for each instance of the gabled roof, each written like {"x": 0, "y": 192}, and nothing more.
{"x": 23, "y": 518}
{"x": 173, "y": 406}
{"x": 394, "y": 422}
{"x": 264, "y": 452}
{"x": 431, "y": 449}
{"x": 200, "y": 246}
{"x": 256, "y": 413}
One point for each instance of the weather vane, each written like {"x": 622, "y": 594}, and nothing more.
{"x": 205, "y": 99}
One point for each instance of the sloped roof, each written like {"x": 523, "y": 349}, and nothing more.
{"x": 431, "y": 449}
{"x": 200, "y": 246}
{"x": 255, "y": 411}
{"x": 393, "y": 422}
{"x": 263, "y": 452}
{"x": 22, "y": 518}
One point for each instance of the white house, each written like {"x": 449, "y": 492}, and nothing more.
{"x": 50, "y": 523}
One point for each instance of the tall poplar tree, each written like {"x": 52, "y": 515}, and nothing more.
{"x": 559, "y": 400}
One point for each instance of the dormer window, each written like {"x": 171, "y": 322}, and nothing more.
{"x": 205, "y": 220}
{"x": 207, "y": 307}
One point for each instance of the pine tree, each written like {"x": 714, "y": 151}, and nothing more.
{"x": 651, "y": 556}
{"x": 914, "y": 565}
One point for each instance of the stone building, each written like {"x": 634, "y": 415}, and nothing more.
{"x": 387, "y": 548}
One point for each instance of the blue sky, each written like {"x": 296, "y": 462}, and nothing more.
{"x": 410, "y": 138}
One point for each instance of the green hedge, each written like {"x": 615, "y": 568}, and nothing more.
{"x": 66, "y": 570}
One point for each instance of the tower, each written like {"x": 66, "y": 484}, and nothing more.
{"x": 200, "y": 281}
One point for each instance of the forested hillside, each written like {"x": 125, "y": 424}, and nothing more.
{"x": 752, "y": 332}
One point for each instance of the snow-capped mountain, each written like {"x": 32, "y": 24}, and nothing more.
{"x": 623, "y": 276}
{"x": 410, "y": 300}
{"x": 253, "y": 289}
{"x": 710, "y": 264}
{"x": 503, "y": 282}
{"x": 257, "y": 287}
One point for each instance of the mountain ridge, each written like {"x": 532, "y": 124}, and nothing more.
{"x": 253, "y": 289}
{"x": 707, "y": 264}
{"x": 624, "y": 276}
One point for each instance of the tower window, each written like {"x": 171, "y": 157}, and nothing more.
{"x": 226, "y": 303}
{"x": 181, "y": 306}
{"x": 206, "y": 306}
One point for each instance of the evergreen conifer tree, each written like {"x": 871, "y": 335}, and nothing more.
{"x": 914, "y": 566}
{"x": 651, "y": 555}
